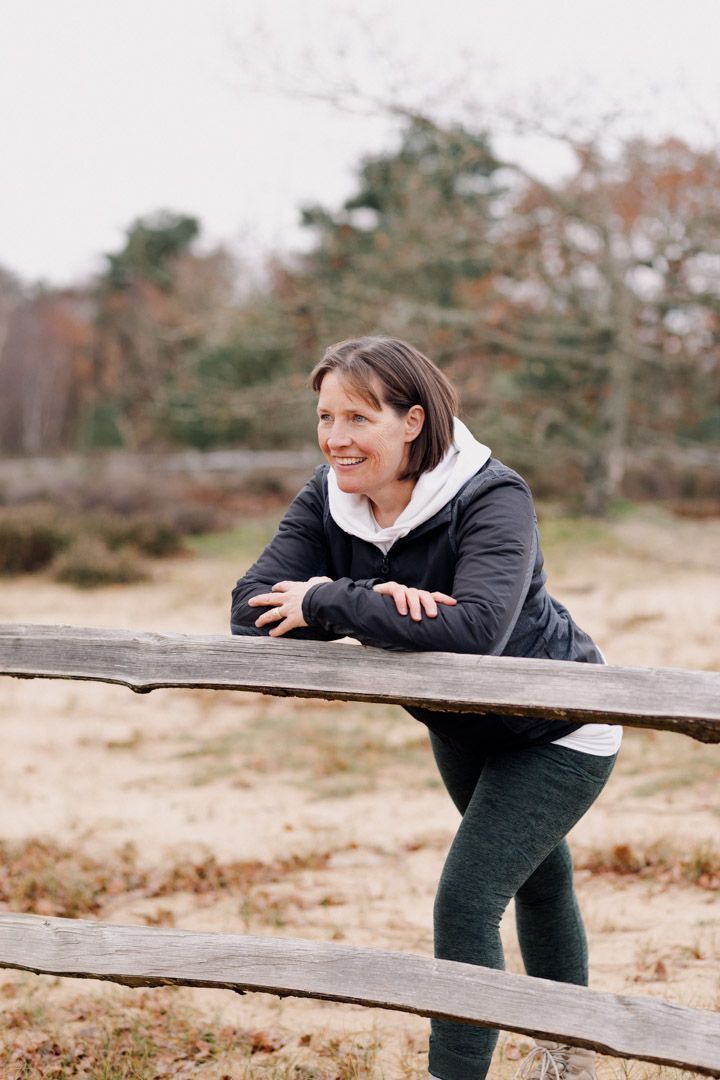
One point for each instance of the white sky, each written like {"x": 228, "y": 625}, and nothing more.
{"x": 110, "y": 110}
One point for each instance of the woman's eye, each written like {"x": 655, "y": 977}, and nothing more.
{"x": 359, "y": 419}
{"x": 324, "y": 418}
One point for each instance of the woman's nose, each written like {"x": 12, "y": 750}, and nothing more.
{"x": 339, "y": 436}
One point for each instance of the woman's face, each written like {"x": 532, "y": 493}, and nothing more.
{"x": 366, "y": 447}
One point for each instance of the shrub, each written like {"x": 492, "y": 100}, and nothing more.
{"x": 151, "y": 536}
{"x": 194, "y": 519}
{"x": 33, "y": 534}
{"x": 30, "y": 538}
{"x": 89, "y": 562}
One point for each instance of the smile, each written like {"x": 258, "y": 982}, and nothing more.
{"x": 346, "y": 461}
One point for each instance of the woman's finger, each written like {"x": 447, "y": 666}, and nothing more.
{"x": 428, "y": 603}
{"x": 289, "y": 622}
{"x": 414, "y": 606}
{"x": 399, "y": 595}
{"x": 396, "y": 591}
{"x": 270, "y": 616}
{"x": 423, "y": 601}
{"x": 387, "y": 587}
{"x": 443, "y": 598}
{"x": 263, "y": 600}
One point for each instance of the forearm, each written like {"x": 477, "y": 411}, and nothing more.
{"x": 492, "y": 571}
{"x": 297, "y": 551}
{"x": 244, "y": 617}
{"x": 348, "y": 608}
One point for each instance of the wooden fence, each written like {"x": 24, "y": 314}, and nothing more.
{"x": 682, "y": 701}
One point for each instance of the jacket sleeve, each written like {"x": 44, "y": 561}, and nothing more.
{"x": 493, "y": 568}
{"x": 296, "y": 552}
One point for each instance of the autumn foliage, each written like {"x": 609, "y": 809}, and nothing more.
{"x": 580, "y": 318}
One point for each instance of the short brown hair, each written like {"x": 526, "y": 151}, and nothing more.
{"x": 407, "y": 378}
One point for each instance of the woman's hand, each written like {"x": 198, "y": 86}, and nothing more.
{"x": 414, "y": 601}
{"x": 285, "y": 602}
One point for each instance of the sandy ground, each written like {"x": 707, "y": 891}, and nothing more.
{"x": 183, "y": 773}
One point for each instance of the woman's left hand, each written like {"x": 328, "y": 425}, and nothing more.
{"x": 415, "y": 602}
{"x": 285, "y": 603}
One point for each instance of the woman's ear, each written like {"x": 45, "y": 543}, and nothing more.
{"x": 414, "y": 420}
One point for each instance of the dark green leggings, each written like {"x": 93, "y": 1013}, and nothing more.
{"x": 517, "y": 808}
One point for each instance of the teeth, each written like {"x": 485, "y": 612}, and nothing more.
{"x": 349, "y": 460}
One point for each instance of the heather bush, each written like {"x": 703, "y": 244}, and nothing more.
{"x": 33, "y": 535}
{"x": 152, "y": 536}
{"x": 88, "y": 562}
{"x": 30, "y": 538}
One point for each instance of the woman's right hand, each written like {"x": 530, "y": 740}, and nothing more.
{"x": 414, "y": 602}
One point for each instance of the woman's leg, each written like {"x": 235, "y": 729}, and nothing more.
{"x": 549, "y": 924}
{"x": 460, "y": 770}
{"x": 523, "y": 804}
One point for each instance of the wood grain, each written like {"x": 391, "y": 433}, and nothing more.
{"x": 148, "y": 956}
{"x": 662, "y": 698}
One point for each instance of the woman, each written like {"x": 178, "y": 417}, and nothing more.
{"x": 414, "y": 537}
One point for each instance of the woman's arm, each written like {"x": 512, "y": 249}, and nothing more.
{"x": 492, "y": 572}
{"x": 284, "y": 605}
{"x": 296, "y": 551}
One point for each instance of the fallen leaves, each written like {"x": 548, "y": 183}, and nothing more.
{"x": 45, "y": 878}
{"x": 661, "y": 861}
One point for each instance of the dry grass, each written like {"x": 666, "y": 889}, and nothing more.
{"x": 661, "y": 861}
{"x": 148, "y": 1034}
{"x": 153, "y": 1034}
{"x": 334, "y": 749}
{"x": 42, "y": 877}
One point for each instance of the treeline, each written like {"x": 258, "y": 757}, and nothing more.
{"x": 580, "y": 319}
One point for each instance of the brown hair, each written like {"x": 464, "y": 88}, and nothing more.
{"x": 406, "y": 378}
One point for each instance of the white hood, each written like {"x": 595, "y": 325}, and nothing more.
{"x": 432, "y": 491}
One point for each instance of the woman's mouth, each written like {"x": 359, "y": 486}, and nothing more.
{"x": 348, "y": 462}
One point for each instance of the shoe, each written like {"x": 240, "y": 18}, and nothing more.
{"x": 556, "y": 1061}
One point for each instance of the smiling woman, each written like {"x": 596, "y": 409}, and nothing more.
{"x": 409, "y": 438}
{"x": 367, "y": 446}
{"x": 414, "y": 537}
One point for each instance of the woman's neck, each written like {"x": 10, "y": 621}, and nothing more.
{"x": 388, "y": 506}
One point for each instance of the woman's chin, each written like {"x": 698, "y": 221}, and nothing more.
{"x": 348, "y": 482}
{"x": 348, "y": 485}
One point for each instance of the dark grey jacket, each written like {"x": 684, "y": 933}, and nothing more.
{"x": 482, "y": 548}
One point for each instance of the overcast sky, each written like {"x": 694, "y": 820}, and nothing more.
{"x": 110, "y": 110}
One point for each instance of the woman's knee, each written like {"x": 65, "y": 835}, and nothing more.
{"x": 467, "y": 905}
{"x": 552, "y": 878}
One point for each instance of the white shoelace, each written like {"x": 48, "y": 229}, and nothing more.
{"x": 542, "y": 1057}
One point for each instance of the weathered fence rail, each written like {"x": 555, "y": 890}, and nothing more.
{"x": 683, "y": 701}
{"x": 142, "y": 956}
{"x": 662, "y": 698}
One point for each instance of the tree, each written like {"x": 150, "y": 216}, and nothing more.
{"x": 11, "y": 296}
{"x": 45, "y": 371}
{"x": 614, "y": 300}
{"x": 159, "y": 302}
{"x": 580, "y": 318}
{"x": 415, "y": 231}
{"x": 151, "y": 245}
